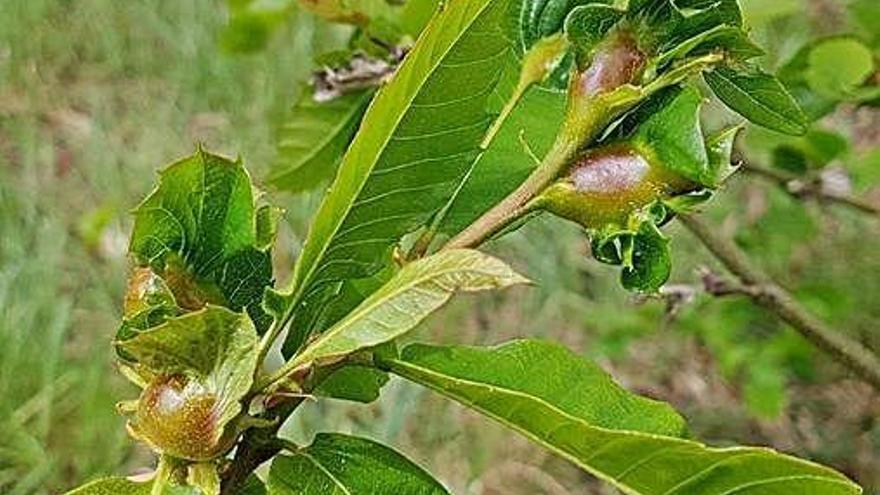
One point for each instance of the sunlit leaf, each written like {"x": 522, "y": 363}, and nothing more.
{"x": 668, "y": 129}
{"x": 572, "y": 408}
{"x": 416, "y": 140}
{"x": 400, "y": 305}
{"x": 336, "y": 464}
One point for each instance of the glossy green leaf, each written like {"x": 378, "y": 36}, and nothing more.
{"x": 574, "y": 409}
{"x": 418, "y": 290}
{"x": 216, "y": 346}
{"x": 199, "y": 231}
{"x": 669, "y": 131}
{"x": 650, "y": 264}
{"x": 122, "y": 486}
{"x": 313, "y": 139}
{"x": 416, "y": 141}
{"x": 336, "y": 464}
{"x": 526, "y": 136}
{"x": 759, "y": 97}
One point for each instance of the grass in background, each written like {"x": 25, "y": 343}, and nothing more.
{"x": 94, "y": 96}
{"x": 97, "y": 94}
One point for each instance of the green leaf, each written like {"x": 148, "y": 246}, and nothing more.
{"x": 669, "y": 131}
{"x": 537, "y": 19}
{"x": 199, "y": 231}
{"x": 314, "y": 138}
{"x": 651, "y": 263}
{"x": 338, "y": 464}
{"x": 669, "y": 23}
{"x": 215, "y": 345}
{"x": 719, "y": 148}
{"x": 837, "y": 66}
{"x": 572, "y": 408}
{"x": 418, "y": 290}
{"x": 529, "y": 132}
{"x": 416, "y": 141}
{"x": 354, "y": 383}
{"x": 587, "y": 25}
{"x": 759, "y": 97}
{"x": 122, "y": 486}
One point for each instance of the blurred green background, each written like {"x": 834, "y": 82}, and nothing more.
{"x": 95, "y": 95}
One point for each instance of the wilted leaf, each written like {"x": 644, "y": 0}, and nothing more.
{"x": 572, "y": 408}
{"x": 338, "y": 464}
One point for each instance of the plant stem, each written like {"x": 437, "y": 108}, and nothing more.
{"x": 163, "y": 472}
{"x": 510, "y": 207}
{"x": 799, "y": 188}
{"x": 771, "y": 296}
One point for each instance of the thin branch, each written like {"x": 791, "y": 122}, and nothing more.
{"x": 770, "y": 295}
{"x": 800, "y": 187}
{"x": 257, "y": 446}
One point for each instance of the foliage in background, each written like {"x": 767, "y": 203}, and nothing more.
{"x": 813, "y": 263}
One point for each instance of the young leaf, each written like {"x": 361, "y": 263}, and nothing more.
{"x": 314, "y": 138}
{"x": 122, "y": 486}
{"x": 418, "y": 290}
{"x": 541, "y": 18}
{"x": 415, "y": 142}
{"x": 215, "y": 345}
{"x": 336, "y": 464}
{"x": 572, "y": 408}
{"x": 198, "y": 231}
{"x": 354, "y": 383}
{"x": 651, "y": 263}
{"x": 587, "y": 25}
{"x": 759, "y": 97}
{"x": 671, "y": 133}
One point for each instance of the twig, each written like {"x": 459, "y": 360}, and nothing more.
{"x": 800, "y": 188}
{"x": 768, "y": 294}
{"x": 257, "y": 446}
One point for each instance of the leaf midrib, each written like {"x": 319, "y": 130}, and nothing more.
{"x": 398, "y": 119}
{"x": 629, "y": 490}
{"x": 355, "y": 316}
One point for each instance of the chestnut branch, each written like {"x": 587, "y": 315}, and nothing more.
{"x": 800, "y": 187}
{"x": 766, "y": 293}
